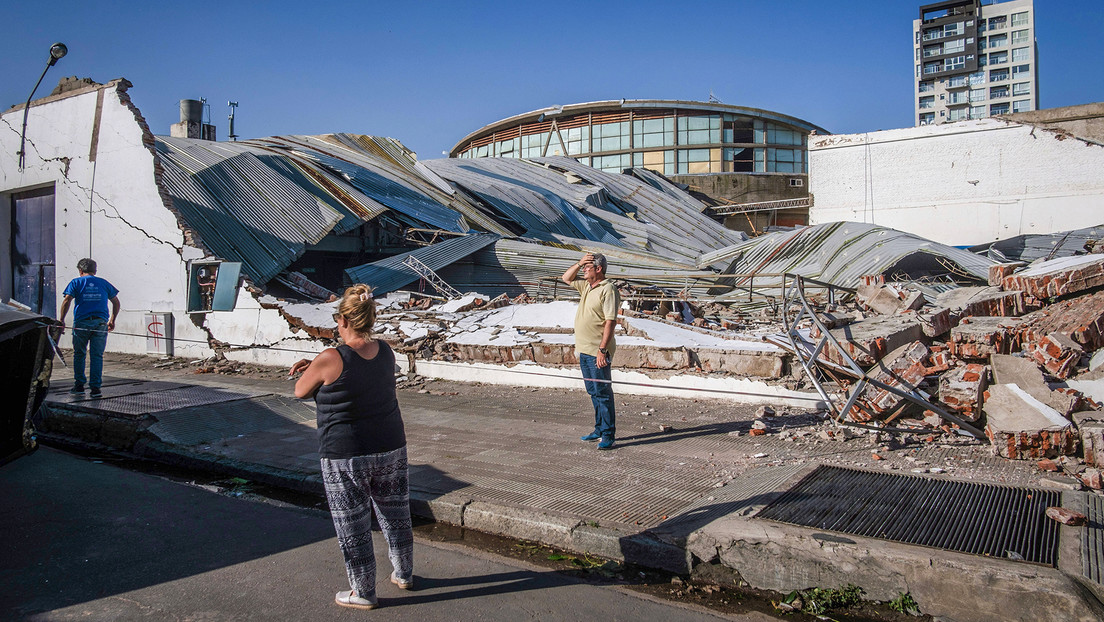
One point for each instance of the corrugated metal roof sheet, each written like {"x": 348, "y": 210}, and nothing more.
{"x": 387, "y": 275}
{"x": 561, "y": 197}
{"x": 841, "y": 252}
{"x": 1036, "y": 246}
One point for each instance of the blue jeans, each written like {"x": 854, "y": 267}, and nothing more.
{"x": 89, "y": 334}
{"x": 601, "y": 393}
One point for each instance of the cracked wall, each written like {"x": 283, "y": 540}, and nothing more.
{"x": 960, "y": 184}
{"x": 94, "y": 148}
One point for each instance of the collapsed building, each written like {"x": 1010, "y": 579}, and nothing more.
{"x": 236, "y": 250}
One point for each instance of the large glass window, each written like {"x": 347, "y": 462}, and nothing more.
{"x": 1019, "y": 19}
{"x": 977, "y": 95}
{"x": 998, "y": 22}
{"x": 958, "y": 97}
{"x": 507, "y": 148}
{"x": 1021, "y": 88}
{"x": 998, "y": 41}
{"x": 976, "y": 78}
{"x": 1020, "y": 55}
{"x": 578, "y": 139}
{"x": 927, "y": 118}
{"x": 1020, "y": 71}
{"x": 956, "y": 62}
{"x": 613, "y": 163}
{"x": 933, "y": 67}
{"x": 701, "y": 130}
{"x": 778, "y": 135}
{"x": 998, "y": 92}
{"x": 998, "y": 108}
{"x": 784, "y": 161}
{"x": 927, "y": 102}
{"x": 654, "y": 133}
{"x": 532, "y": 145}
{"x": 977, "y": 112}
{"x": 1020, "y": 36}
{"x": 1021, "y": 105}
{"x": 933, "y": 50}
{"x": 610, "y": 136}
{"x": 958, "y": 114}
{"x": 998, "y": 75}
{"x": 924, "y": 87}
{"x": 998, "y": 58}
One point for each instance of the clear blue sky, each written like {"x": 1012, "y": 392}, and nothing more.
{"x": 428, "y": 73}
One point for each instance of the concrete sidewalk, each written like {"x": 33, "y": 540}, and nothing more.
{"x": 662, "y": 499}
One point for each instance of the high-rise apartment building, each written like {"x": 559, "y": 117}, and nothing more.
{"x": 974, "y": 59}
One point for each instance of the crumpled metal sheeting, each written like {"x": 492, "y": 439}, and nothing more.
{"x": 246, "y": 186}
{"x": 262, "y": 256}
{"x": 380, "y": 168}
{"x": 537, "y": 266}
{"x": 1037, "y": 246}
{"x": 387, "y": 275}
{"x": 596, "y": 210}
{"x": 661, "y": 183}
{"x": 670, "y": 212}
{"x": 841, "y": 252}
{"x": 556, "y": 206}
{"x": 394, "y": 194}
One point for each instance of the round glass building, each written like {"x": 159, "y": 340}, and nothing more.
{"x": 668, "y": 136}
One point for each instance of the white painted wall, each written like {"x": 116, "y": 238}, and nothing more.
{"x": 962, "y": 183}
{"x": 113, "y": 205}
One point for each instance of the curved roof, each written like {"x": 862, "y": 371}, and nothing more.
{"x": 632, "y": 104}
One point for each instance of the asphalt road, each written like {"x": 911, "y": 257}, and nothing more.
{"x": 91, "y": 541}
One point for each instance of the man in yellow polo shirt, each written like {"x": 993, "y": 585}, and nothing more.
{"x": 594, "y": 344}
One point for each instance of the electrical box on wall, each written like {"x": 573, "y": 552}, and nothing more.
{"x": 213, "y": 285}
{"x": 159, "y": 333}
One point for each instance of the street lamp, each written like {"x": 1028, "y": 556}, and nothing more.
{"x": 57, "y": 50}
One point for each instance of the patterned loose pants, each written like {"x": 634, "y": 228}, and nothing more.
{"x": 354, "y": 488}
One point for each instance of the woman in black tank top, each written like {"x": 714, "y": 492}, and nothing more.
{"x": 362, "y": 446}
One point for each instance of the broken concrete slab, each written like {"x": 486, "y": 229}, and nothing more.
{"x": 978, "y": 338}
{"x": 961, "y": 389}
{"x": 998, "y": 272}
{"x": 1058, "y": 277}
{"x": 868, "y": 341}
{"x": 1021, "y": 427}
{"x": 888, "y": 299}
{"x": 981, "y": 301}
{"x": 1025, "y": 373}
{"x": 936, "y": 321}
{"x": 758, "y": 364}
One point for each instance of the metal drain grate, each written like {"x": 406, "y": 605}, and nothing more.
{"x": 983, "y": 519}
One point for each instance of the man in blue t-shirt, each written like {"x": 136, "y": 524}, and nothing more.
{"x": 91, "y": 323}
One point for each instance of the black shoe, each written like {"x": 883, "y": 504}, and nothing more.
{"x": 78, "y": 389}
{"x": 95, "y": 392}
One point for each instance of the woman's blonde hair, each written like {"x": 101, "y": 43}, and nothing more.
{"x": 358, "y": 308}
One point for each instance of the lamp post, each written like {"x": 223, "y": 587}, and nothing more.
{"x": 57, "y": 51}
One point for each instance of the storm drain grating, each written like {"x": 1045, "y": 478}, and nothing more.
{"x": 1092, "y": 540}
{"x": 982, "y": 519}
